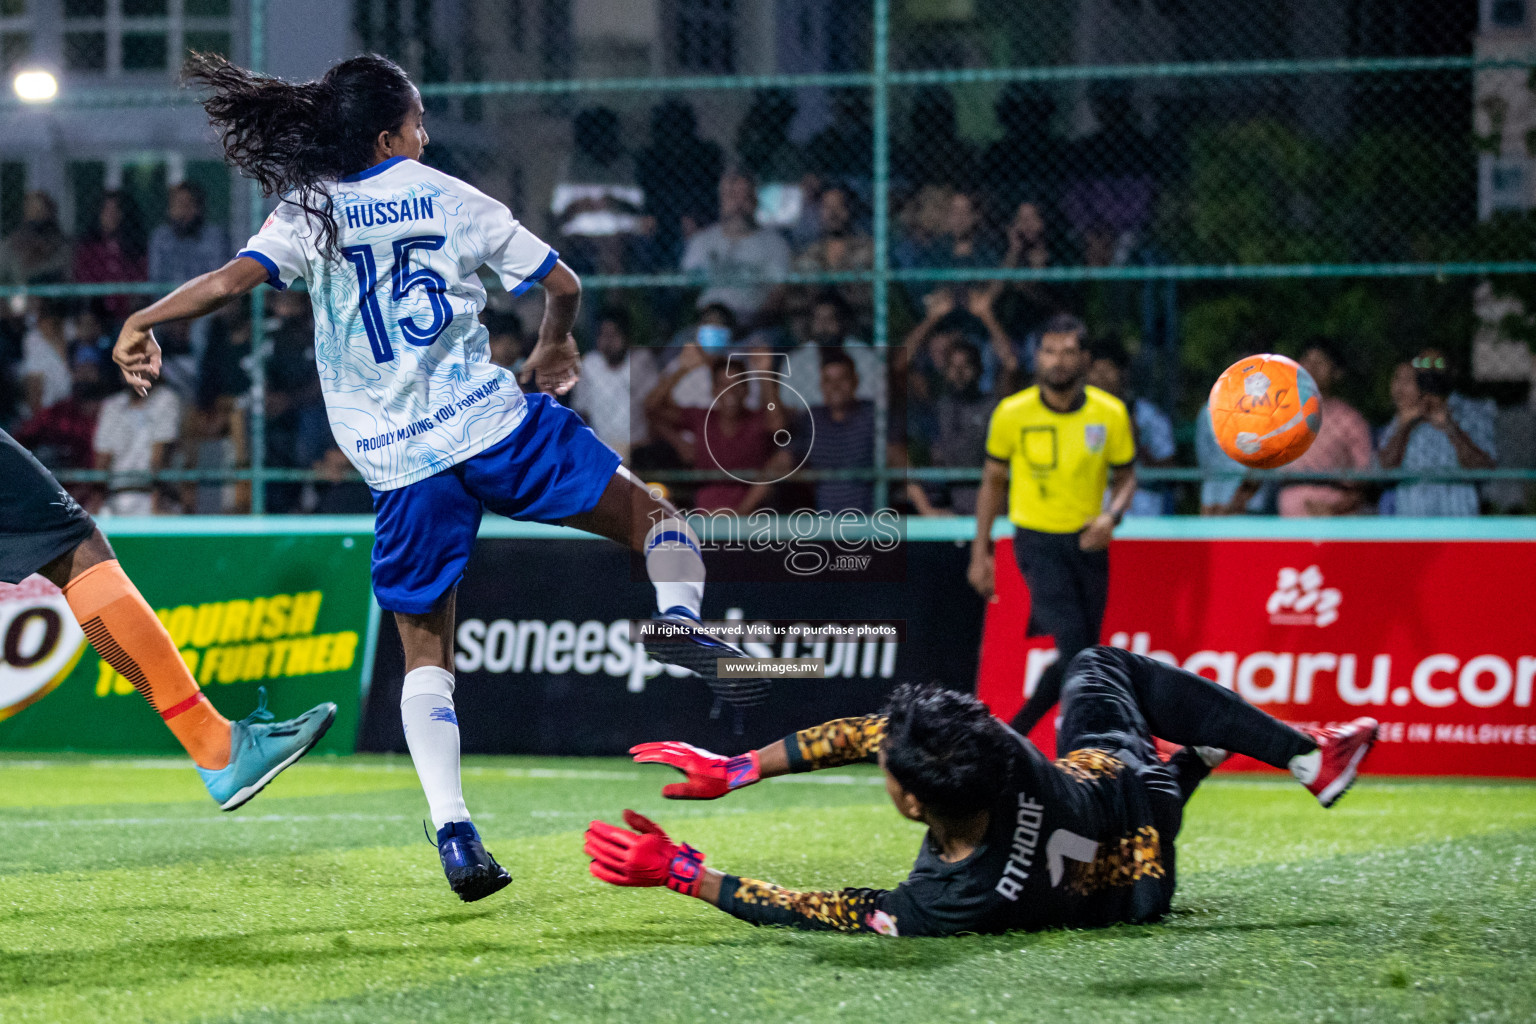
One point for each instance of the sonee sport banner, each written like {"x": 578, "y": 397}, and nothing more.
{"x": 1436, "y": 639}
{"x": 546, "y": 664}
{"x": 286, "y": 612}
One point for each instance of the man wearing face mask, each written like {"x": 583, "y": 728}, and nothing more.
{"x": 1051, "y": 449}
{"x": 1440, "y": 429}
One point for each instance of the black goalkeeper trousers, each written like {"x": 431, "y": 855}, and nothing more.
{"x": 1068, "y": 589}
{"x": 1112, "y": 699}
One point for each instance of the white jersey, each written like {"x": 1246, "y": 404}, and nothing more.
{"x": 403, "y": 358}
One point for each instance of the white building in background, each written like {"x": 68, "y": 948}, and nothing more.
{"x": 512, "y": 147}
{"x": 1505, "y": 109}
{"x": 1505, "y": 122}
{"x": 97, "y": 47}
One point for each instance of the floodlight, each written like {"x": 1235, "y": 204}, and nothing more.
{"x": 35, "y": 86}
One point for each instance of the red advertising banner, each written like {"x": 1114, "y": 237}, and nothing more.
{"x": 1436, "y": 639}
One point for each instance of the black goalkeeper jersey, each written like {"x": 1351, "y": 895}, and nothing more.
{"x": 1084, "y": 840}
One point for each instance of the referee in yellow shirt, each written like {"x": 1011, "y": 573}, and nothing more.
{"x": 1050, "y": 450}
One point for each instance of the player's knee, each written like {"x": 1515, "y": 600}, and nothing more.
{"x": 93, "y": 551}
{"x": 427, "y": 681}
{"x": 88, "y": 553}
{"x": 1090, "y": 661}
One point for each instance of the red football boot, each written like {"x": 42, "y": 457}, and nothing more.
{"x": 1330, "y": 770}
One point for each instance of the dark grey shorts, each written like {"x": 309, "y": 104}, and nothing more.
{"x": 1068, "y": 588}
{"x": 39, "y": 521}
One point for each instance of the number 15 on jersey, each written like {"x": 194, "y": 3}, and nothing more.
{"x": 402, "y": 280}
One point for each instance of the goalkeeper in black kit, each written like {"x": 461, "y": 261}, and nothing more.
{"x": 1015, "y": 841}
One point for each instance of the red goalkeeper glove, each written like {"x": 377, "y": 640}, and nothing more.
{"x": 646, "y": 856}
{"x": 709, "y": 775}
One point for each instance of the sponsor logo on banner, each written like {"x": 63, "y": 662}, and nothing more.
{"x": 248, "y": 640}
{"x": 282, "y": 610}
{"x": 552, "y": 649}
{"x": 1356, "y": 679}
{"x": 1450, "y": 671}
{"x": 40, "y": 643}
{"x": 542, "y": 647}
{"x": 1300, "y": 599}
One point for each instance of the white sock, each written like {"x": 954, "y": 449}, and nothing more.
{"x": 432, "y": 734}
{"x": 1212, "y": 756}
{"x": 1306, "y": 766}
{"x": 676, "y": 568}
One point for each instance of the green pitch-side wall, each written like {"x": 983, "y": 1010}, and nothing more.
{"x": 286, "y": 610}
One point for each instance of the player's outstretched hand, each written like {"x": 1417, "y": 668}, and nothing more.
{"x": 709, "y": 775}
{"x": 552, "y": 367}
{"x": 138, "y": 353}
{"x": 642, "y": 855}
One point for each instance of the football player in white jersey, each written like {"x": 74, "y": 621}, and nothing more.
{"x": 389, "y": 250}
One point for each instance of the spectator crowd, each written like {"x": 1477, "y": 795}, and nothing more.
{"x": 771, "y": 386}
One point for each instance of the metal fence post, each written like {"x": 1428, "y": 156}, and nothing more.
{"x": 257, "y": 213}
{"x": 880, "y": 114}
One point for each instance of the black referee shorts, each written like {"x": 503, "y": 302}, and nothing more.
{"x": 1068, "y": 588}
{"x": 39, "y": 520}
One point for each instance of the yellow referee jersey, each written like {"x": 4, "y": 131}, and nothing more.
{"x": 1058, "y": 462}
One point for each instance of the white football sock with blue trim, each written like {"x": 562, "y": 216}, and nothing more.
{"x": 432, "y": 734}
{"x": 676, "y": 567}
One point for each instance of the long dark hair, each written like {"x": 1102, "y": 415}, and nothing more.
{"x": 292, "y": 138}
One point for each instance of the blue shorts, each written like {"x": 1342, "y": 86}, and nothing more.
{"x": 551, "y": 467}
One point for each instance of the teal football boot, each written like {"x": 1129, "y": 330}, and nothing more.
{"x": 259, "y": 748}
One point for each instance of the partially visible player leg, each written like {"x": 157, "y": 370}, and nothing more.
{"x": 432, "y": 735}
{"x": 427, "y": 712}
{"x": 1191, "y": 766}
{"x": 423, "y": 535}
{"x": 631, "y": 515}
{"x": 1184, "y": 708}
{"x": 236, "y": 759}
{"x": 44, "y": 530}
{"x": 129, "y": 637}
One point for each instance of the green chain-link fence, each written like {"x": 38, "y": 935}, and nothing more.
{"x": 920, "y": 183}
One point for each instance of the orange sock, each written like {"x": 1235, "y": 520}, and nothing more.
{"x": 126, "y": 633}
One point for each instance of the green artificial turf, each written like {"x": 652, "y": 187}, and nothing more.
{"x": 125, "y": 896}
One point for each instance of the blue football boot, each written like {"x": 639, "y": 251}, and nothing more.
{"x": 472, "y": 872}
{"x": 259, "y": 748}
{"x": 694, "y": 647}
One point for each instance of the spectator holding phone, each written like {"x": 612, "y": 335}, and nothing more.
{"x": 1437, "y": 428}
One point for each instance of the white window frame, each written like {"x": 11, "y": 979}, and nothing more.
{"x": 175, "y": 23}
{"x": 1491, "y": 200}
{"x": 21, "y": 23}
{"x": 1485, "y": 17}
